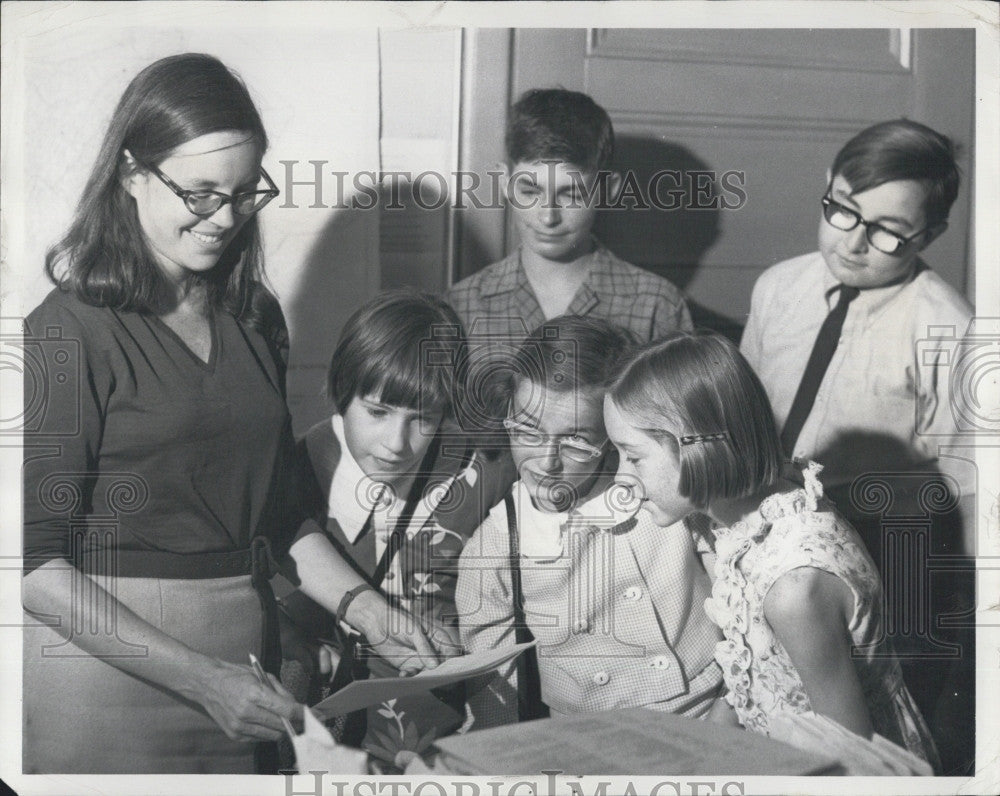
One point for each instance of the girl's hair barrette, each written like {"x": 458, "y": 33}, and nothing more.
{"x": 691, "y": 439}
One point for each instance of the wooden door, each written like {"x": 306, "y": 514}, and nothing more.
{"x": 761, "y": 111}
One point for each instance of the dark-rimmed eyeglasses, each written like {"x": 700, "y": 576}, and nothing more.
{"x": 206, "y": 203}
{"x": 572, "y": 448}
{"x": 881, "y": 238}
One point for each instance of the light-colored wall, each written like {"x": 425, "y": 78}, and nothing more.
{"x": 420, "y": 83}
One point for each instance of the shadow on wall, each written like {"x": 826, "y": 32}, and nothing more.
{"x": 669, "y": 216}
{"x": 472, "y": 252}
{"x": 413, "y": 234}
{"x": 386, "y": 237}
{"x": 336, "y": 277}
{"x": 906, "y": 513}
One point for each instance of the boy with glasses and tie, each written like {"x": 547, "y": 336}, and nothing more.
{"x": 834, "y": 336}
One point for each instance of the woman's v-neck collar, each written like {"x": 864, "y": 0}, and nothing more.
{"x": 206, "y": 365}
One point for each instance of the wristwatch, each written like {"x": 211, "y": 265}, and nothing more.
{"x": 348, "y": 598}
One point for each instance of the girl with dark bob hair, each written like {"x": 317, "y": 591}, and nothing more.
{"x": 400, "y": 490}
{"x": 796, "y": 595}
{"x": 159, "y": 476}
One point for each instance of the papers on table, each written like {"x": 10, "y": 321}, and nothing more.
{"x": 859, "y": 756}
{"x": 632, "y": 741}
{"x": 362, "y": 693}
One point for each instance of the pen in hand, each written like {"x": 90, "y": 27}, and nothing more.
{"x": 258, "y": 670}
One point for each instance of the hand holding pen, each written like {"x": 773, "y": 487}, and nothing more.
{"x": 244, "y": 706}
{"x": 274, "y": 686}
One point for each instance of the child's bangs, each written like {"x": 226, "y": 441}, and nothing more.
{"x": 406, "y": 383}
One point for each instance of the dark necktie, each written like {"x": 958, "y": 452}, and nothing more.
{"x": 819, "y": 361}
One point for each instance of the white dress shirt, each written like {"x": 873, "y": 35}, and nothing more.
{"x": 884, "y": 404}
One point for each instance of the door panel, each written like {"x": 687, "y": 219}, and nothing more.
{"x": 862, "y": 50}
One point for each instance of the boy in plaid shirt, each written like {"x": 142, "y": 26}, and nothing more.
{"x": 559, "y": 148}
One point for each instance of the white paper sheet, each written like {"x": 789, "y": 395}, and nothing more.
{"x": 315, "y": 750}
{"x": 362, "y": 693}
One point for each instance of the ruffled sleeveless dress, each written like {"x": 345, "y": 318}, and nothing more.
{"x": 791, "y": 530}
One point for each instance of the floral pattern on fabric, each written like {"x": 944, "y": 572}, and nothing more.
{"x": 395, "y": 746}
{"x": 426, "y": 568}
{"x": 791, "y": 530}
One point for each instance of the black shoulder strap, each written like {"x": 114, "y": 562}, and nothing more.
{"x": 398, "y": 535}
{"x": 529, "y": 681}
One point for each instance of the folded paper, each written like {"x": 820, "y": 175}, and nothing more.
{"x": 364, "y": 693}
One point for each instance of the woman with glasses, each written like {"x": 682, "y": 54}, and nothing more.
{"x": 159, "y": 477}
{"x": 614, "y": 603}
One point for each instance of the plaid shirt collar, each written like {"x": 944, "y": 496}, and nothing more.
{"x": 509, "y": 277}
